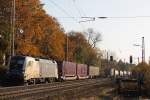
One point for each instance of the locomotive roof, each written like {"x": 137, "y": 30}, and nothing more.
{"x": 36, "y": 58}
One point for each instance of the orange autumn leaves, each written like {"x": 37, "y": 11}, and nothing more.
{"x": 42, "y": 34}
{"x": 39, "y": 34}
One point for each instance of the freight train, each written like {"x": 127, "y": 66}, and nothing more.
{"x": 30, "y": 70}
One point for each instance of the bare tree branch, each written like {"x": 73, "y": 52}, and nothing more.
{"x": 93, "y": 37}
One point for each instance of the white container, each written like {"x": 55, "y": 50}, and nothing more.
{"x": 93, "y": 71}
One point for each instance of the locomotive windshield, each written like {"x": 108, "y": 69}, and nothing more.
{"x": 17, "y": 63}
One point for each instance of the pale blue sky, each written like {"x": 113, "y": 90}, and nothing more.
{"x": 119, "y": 34}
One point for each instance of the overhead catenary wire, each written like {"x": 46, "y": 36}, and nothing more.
{"x": 84, "y": 18}
{"x": 80, "y": 13}
{"x": 63, "y": 10}
{"x": 54, "y": 9}
{"x": 79, "y": 8}
{"x": 90, "y": 18}
{"x": 123, "y": 17}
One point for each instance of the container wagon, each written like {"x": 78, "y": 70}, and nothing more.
{"x": 68, "y": 70}
{"x": 82, "y": 71}
{"x": 116, "y": 73}
{"x": 112, "y": 72}
{"x": 121, "y": 73}
{"x": 94, "y": 72}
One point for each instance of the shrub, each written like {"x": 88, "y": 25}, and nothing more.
{"x": 144, "y": 68}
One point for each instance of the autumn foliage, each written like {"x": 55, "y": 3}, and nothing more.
{"x": 39, "y": 34}
{"x": 42, "y": 35}
{"x": 81, "y": 51}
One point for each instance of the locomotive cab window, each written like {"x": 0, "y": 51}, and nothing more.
{"x": 17, "y": 63}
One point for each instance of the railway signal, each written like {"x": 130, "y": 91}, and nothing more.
{"x": 131, "y": 59}
{"x": 111, "y": 58}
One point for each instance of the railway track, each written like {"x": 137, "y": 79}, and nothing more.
{"x": 19, "y": 92}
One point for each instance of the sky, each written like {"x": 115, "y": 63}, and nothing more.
{"x": 126, "y": 23}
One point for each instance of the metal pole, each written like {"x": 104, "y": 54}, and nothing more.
{"x": 143, "y": 50}
{"x": 149, "y": 61}
{"x": 138, "y": 60}
{"x": 67, "y": 46}
{"x": 13, "y": 28}
{"x": 107, "y": 56}
{"x": 107, "y": 68}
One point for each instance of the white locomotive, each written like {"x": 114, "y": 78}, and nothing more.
{"x": 32, "y": 70}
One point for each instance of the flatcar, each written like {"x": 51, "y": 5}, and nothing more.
{"x": 82, "y": 71}
{"x": 67, "y": 70}
{"x": 94, "y": 72}
{"x": 72, "y": 71}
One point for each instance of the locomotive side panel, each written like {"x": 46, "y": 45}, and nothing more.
{"x": 31, "y": 69}
{"x": 48, "y": 69}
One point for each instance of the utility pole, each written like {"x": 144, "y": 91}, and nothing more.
{"x": 107, "y": 67}
{"x": 107, "y": 58}
{"x": 143, "y": 50}
{"x": 13, "y": 27}
{"x": 138, "y": 60}
{"x": 149, "y": 61}
{"x": 66, "y": 48}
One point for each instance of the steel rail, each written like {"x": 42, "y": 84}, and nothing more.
{"x": 31, "y": 91}
{"x": 14, "y": 88}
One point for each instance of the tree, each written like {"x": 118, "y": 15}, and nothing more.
{"x": 39, "y": 34}
{"x": 5, "y": 28}
{"x": 3, "y": 50}
{"x": 36, "y": 33}
{"x": 26, "y": 19}
{"x": 42, "y": 36}
{"x": 76, "y": 44}
{"x": 93, "y": 37}
{"x": 81, "y": 51}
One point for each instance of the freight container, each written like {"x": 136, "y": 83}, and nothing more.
{"x": 93, "y": 72}
{"x": 124, "y": 73}
{"x": 82, "y": 71}
{"x": 69, "y": 71}
{"x": 112, "y": 73}
{"x": 121, "y": 73}
{"x": 116, "y": 73}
